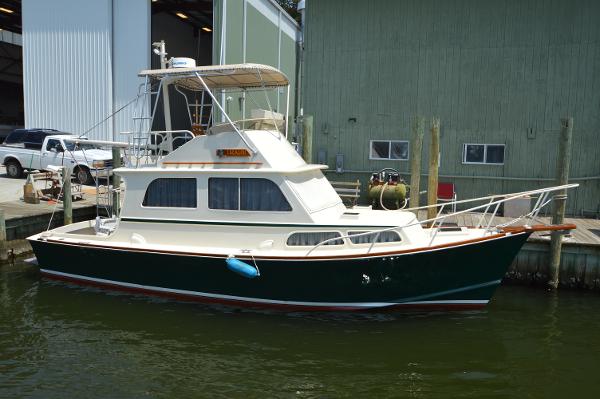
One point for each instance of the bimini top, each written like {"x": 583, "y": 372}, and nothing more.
{"x": 221, "y": 76}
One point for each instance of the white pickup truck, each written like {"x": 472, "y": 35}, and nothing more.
{"x": 38, "y": 148}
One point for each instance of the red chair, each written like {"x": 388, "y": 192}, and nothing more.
{"x": 446, "y": 193}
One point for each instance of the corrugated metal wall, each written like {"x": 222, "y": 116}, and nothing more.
{"x": 491, "y": 70}
{"x": 69, "y": 80}
{"x": 131, "y": 50}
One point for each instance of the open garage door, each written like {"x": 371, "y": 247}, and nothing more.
{"x": 11, "y": 68}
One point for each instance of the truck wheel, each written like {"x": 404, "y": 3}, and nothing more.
{"x": 83, "y": 176}
{"x": 13, "y": 169}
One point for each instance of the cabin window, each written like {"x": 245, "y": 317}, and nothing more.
{"x": 246, "y": 195}
{"x": 171, "y": 193}
{"x": 307, "y": 239}
{"x": 384, "y": 236}
{"x": 223, "y": 193}
{"x": 388, "y": 149}
{"x": 492, "y": 154}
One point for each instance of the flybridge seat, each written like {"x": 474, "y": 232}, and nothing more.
{"x": 244, "y": 76}
{"x": 260, "y": 120}
{"x": 248, "y": 124}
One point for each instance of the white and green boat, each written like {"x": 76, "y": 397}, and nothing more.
{"x": 234, "y": 215}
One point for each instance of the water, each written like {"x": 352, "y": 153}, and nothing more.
{"x": 63, "y": 341}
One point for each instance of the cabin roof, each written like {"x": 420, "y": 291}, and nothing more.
{"x": 221, "y": 76}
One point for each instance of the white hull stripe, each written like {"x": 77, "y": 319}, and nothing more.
{"x": 261, "y": 300}
{"x": 453, "y": 291}
{"x": 258, "y": 257}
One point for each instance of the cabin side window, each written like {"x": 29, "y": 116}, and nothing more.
{"x": 312, "y": 238}
{"x": 384, "y": 236}
{"x": 171, "y": 193}
{"x": 252, "y": 194}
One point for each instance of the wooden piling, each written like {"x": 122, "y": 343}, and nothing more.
{"x": 560, "y": 198}
{"x": 434, "y": 159}
{"x": 67, "y": 197}
{"x": 307, "y": 138}
{"x": 3, "y": 244}
{"x": 116, "y": 182}
{"x": 416, "y": 150}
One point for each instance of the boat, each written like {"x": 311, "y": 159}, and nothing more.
{"x": 228, "y": 212}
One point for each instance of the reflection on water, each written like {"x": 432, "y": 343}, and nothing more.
{"x": 59, "y": 340}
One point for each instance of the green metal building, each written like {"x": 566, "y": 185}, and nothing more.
{"x": 256, "y": 31}
{"x": 498, "y": 74}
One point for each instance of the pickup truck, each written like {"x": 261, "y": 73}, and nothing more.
{"x": 29, "y": 149}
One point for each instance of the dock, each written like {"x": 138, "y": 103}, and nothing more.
{"x": 23, "y": 220}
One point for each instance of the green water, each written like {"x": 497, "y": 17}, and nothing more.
{"x": 63, "y": 341}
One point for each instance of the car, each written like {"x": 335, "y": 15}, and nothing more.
{"x": 29, "y": 149}
{"x": 5, "y": 130}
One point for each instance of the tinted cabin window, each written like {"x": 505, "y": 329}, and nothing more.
{"x": 171, "y": 193}
{"x": 246, "y": 195}
{"x": 223, "y": 193}
{"x": 313, "y": 238}
{"x": 262, "y": 195}
{"x": 384, "y": 236}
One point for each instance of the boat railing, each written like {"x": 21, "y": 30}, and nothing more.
{"x": 491, "y": 202}
{"x": 151, "y": 149}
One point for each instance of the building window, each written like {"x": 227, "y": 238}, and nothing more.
{"x": 313, "y": 238}
{"x": 388, "y": 149}
{"x": 171, "y": 193}
{"x": 384, "y": 236}
{"x": 492, "y": 154}
{"x": 246, "y": 195}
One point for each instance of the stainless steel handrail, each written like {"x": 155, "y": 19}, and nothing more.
{"x": 504, "y": 198}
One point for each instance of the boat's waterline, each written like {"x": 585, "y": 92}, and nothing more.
{"x": 420, "y": 302}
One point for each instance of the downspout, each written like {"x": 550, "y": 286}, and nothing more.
{"x": 300, "y": 59}
{"x": 112, "y": 69}
{"x": 223, "y": 47}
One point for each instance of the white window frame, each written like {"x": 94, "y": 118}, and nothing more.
{"x": 485, "y": 147}
{"x": 389, "y": 150}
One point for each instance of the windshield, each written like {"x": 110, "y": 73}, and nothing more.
{"x": 70, "y": 146}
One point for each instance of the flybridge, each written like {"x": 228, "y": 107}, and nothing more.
{"x": 199, "y": 86}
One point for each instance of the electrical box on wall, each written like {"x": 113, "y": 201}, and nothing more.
{"x": 339, "y": 163}
{"x": 322, "y": 157}
{"x": 530, "y": 133}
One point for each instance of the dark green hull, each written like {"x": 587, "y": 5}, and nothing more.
{"x": 459, "y": 276}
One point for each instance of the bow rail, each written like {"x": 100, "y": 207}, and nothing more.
{"x": 494, "y": 203}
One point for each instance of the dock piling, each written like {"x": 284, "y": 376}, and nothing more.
{"x": 415, "y": 160}
{"x": 67, "y": 197}
{"x": 558, "y": 212}
{"x": 3, "y": 243}
{"x": 307, "y": 138}
{"x": 434, "y": 158}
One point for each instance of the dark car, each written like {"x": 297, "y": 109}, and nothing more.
{"x": 5, "y": 130}
{"x": 30, "y": 138}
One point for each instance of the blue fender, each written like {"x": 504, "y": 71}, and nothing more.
{"x": 241, "y": 268}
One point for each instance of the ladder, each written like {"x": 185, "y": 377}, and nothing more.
{"x": 139, "y": 141}
{"x": 203, "y": 114}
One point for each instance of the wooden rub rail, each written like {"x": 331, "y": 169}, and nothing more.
{"x": 539, "y": 227}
